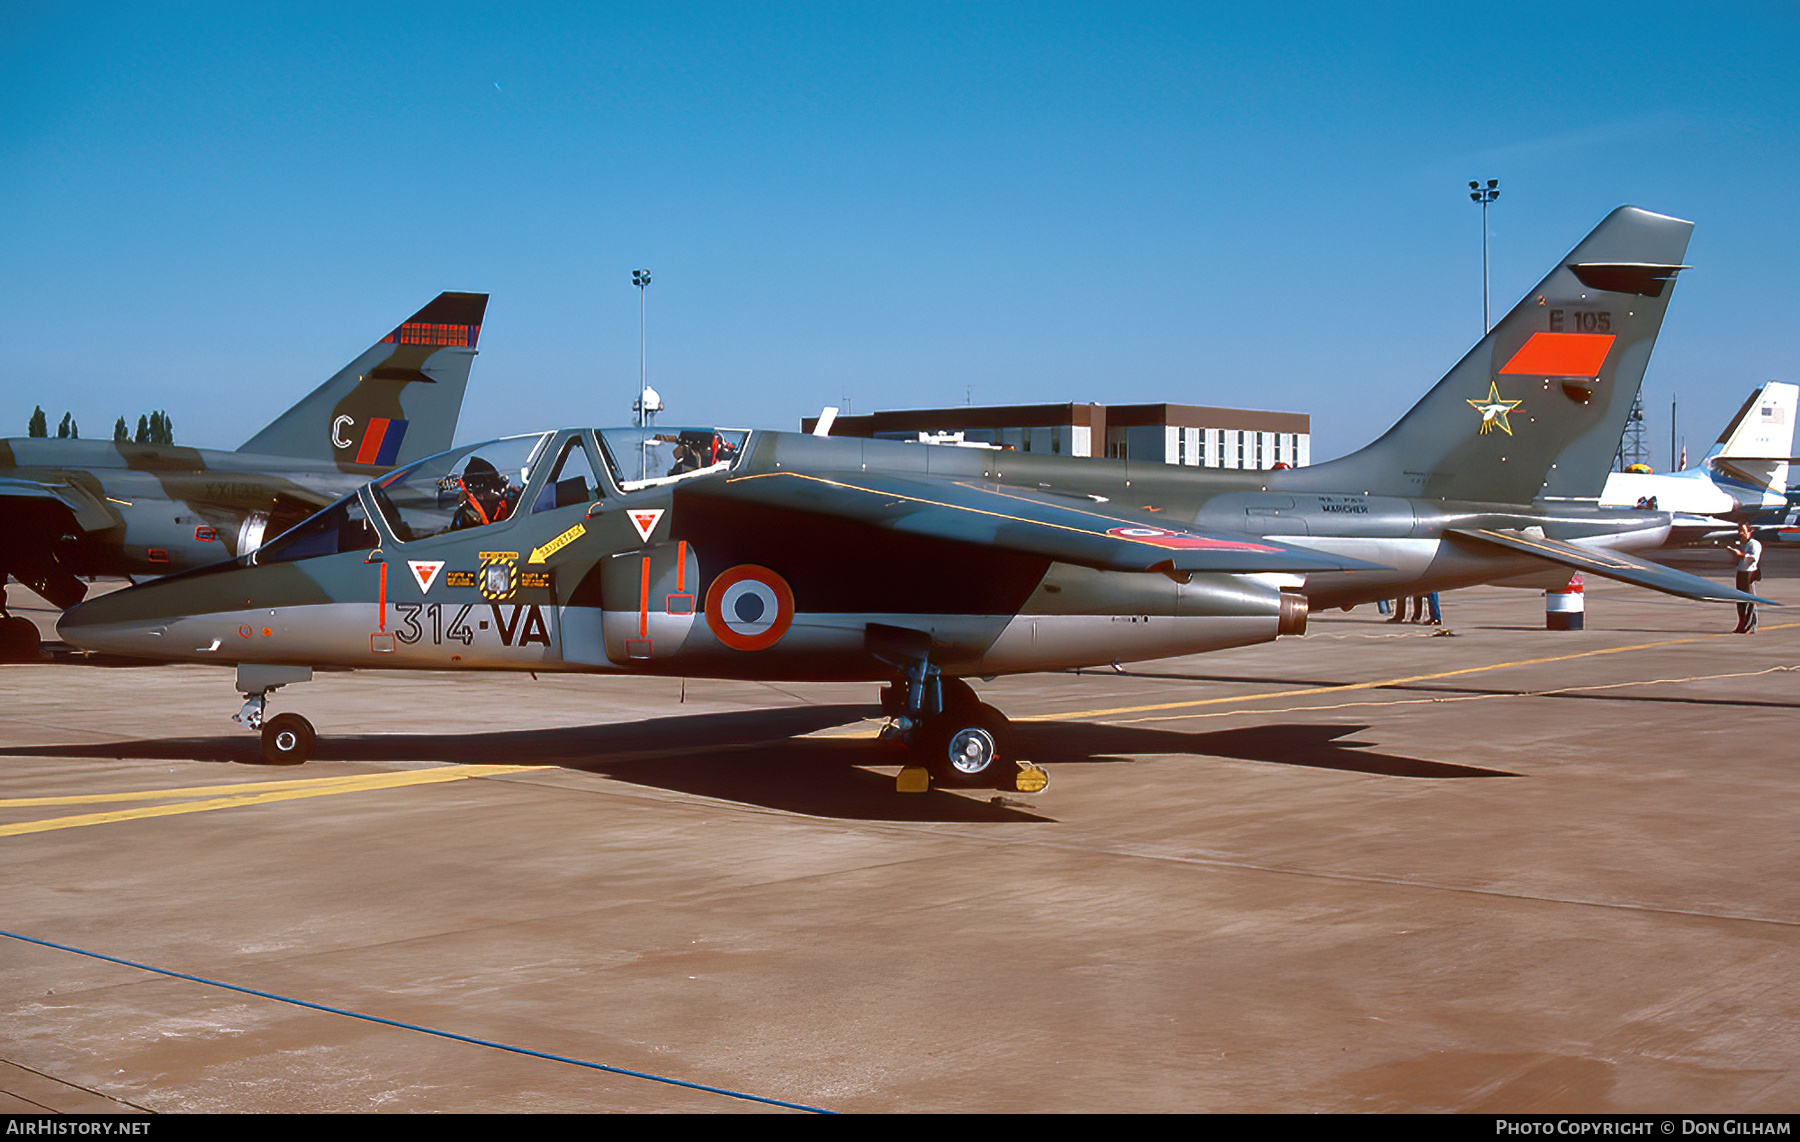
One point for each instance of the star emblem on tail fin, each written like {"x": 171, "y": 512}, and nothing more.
{"x": 1494, "y": 411}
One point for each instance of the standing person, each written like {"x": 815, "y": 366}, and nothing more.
{"x": 1749, "y": 570}
{"x": 1437, "y": 615}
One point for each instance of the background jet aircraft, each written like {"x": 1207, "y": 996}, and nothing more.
{"x": 778, "y": 556}
{"x": 95, "y": 507}
{"x": 1743, "y": 477}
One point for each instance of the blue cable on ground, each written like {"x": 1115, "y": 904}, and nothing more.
{"x": 424, "y": 1030}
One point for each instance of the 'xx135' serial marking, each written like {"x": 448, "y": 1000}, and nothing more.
{"x": 511, "y": 630}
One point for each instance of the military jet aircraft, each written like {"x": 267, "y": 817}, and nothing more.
{"x": 96, "y": 507}
{"x": 769, "y": 555}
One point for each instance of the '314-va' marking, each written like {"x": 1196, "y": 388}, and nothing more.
{"x": 518, "y": 626}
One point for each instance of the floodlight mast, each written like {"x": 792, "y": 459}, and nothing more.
{"x": 1485, "y": 195}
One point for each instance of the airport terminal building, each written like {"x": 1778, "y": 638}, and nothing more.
{"x": 1193, "y": 435}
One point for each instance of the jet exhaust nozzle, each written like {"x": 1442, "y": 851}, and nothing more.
{"x": 1293, "y": 614}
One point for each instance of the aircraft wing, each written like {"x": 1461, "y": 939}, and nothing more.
{"x": 1062, "y": 528}
{"x": 1611, "y": 565}
{"x": 90, "y": 510}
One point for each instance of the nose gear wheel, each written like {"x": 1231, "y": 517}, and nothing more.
{"x": 287, "y": 739}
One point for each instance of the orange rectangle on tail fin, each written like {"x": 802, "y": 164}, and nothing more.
{"x": 1560, "y": 355}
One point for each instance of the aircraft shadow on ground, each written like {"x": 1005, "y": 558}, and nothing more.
{"x": 1309, "y": 744}
{"x": 762, "y": 757}
{"x": 756, "y": 757}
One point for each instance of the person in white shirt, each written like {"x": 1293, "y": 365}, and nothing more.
{"x": 1749, "y": 570}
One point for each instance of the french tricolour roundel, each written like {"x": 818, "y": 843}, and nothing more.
{"x": 1163, "y": 537}
{"x": 749, "y": 607}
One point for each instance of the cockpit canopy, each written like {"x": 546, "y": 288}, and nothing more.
{"x": 460, "y": 489}
{"x": 479, "y": 485}
{"x": 642, "y": 457}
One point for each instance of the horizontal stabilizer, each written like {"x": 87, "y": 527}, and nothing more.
{"x": 1055, "y": 527}
{"x": 1611, "y": 565}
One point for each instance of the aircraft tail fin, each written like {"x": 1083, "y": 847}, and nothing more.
{"x": 396, "y": 402}
{"x": 1536, "y": 408}
{"x": 1753, "y": 452}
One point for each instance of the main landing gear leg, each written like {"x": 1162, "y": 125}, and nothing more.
{"x": 959, "y": 739}
{"x": 287, "y": 739}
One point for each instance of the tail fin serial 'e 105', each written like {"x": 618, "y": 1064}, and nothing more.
{"x": 397, "y": 402}
{"x": 1536, "y": 408}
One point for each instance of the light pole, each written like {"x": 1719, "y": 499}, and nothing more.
{"x": 640, "y": 279}
{"x": 1673, "y": 466}
{"x": 1484, "y": 195}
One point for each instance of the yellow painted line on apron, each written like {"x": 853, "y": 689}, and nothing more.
{"x": 406, "y": 777}
{"x": 1385, "y": 682}
{"x": 235, "y": 796}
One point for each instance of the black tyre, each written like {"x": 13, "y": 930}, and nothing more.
{"x": 287, "y": 739}
{"x": 969, "y": 751}
{"x": 19, "y": 640}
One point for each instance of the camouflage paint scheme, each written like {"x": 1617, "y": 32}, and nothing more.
{"x": 91, "y": 507}
{"x": 798, "y": 557}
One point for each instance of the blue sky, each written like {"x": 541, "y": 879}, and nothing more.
{"x": 210, "y": 208}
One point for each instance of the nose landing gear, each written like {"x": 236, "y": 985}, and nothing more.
{"x": 287, "y": 739}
